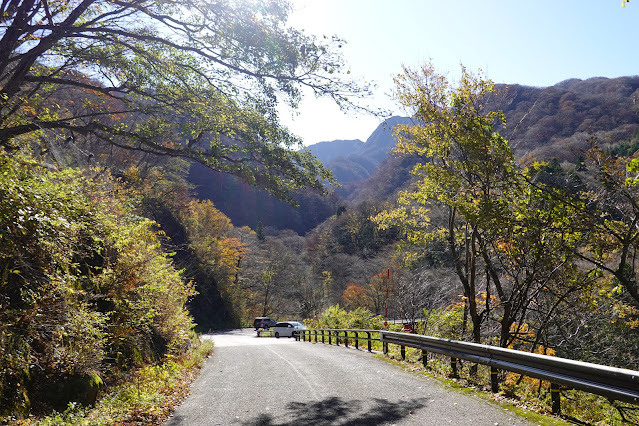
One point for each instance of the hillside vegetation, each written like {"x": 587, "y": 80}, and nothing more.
{"x": 87, "y": 291}
{"x": 558, "y": 121}
{"x": 107, "y": 260}
{"x": 130, "y": 216}
{"x": 543, "y": 123}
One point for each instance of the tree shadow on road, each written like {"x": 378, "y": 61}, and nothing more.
{"x": 340, "y": 412}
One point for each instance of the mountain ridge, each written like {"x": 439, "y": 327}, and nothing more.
{"x": 559, "y": 122}
{"x": 352, "y": 162}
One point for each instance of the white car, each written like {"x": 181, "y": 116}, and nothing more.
{"x": 287, "y": 328}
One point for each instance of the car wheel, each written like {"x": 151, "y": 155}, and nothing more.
{"x": 277, "y": 335}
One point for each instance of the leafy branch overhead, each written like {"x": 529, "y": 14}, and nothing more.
{"x": 199, "y": 79}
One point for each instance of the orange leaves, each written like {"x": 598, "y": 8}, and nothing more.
{"x": 208, "y": 230}
{"x": 28, "y": 109}
{"x": 355, "y": 296}
{"x": 204, "y": 219}
{"x": 628, "y": 314}
{"x": 484, "y": 297}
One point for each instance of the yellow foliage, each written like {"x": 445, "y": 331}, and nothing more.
{"x": 208, "y": 230}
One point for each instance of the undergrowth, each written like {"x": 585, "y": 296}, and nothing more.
{"x": 147, "y": 397}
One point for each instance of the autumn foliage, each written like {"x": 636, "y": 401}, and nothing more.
{"x": 355, "y": 297}
{"x": 86, "y": 292}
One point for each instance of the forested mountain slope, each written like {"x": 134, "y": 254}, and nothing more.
{"x": 351, "y": 161}
{"x": 327, "y": 151}
{"x": 557, "y": 121}
{"x": 542, "y": 123}
{"x": 247, "y": 206}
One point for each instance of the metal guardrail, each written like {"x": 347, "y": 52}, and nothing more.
{"x": 337, "y": 335}
{"x": 610, "y": 382}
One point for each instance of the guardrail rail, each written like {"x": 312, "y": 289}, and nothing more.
{"x": 336, "y": 335}
{"x": 613, "y": 383}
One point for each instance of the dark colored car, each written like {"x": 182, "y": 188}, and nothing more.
{"x": 263, "y": 322}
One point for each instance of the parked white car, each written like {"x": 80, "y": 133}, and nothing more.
{"x": 287, "y": 328}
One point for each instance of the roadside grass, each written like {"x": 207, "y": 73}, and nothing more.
{"x": 147, "y": 397}
{"x": 525, "y": 396}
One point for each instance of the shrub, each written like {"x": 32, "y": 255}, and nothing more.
{"x": 445, "y": 322}
{"x": 337, "y": 317}
{"x": 85, "y": 289}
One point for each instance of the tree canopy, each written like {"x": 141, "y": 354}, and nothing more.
{"x": 511, "y": 243}
{"x": 199, "y": 79}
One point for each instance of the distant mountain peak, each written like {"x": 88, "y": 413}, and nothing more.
{"x": 382, "y": 141}
{"x": 327, "y": 151}
{"x": 354, "y": 160}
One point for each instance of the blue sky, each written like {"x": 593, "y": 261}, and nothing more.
{"x": 532, "y": 42}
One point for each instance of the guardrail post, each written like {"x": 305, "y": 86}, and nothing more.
{"x": 370, "y": 342}
{"x": 322, "y": 336}
{"x": 356, "y": 339}
{"x": 346, "y": 338}
{"x": 494, "y": 380}
{"x": 337, "y": 338}
{"x": 555, "y": 395}
{"x": 424, "y": 358}
{"x": 617, "y": 384}
{"x": 403, "y": 352}
{"x": 329, "y": 337}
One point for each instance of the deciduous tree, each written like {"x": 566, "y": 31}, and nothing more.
{"x": 466, "y": 168}
{"x": 511, "y": 246}
{"x": 355, "y": 297}
{"x": 199, "y": 79}
{"x": 612, "y": 218}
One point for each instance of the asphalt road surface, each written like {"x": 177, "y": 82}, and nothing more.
{"x": 263, "y": 381}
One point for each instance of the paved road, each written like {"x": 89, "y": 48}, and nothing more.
{"x": 265, "y": 381}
